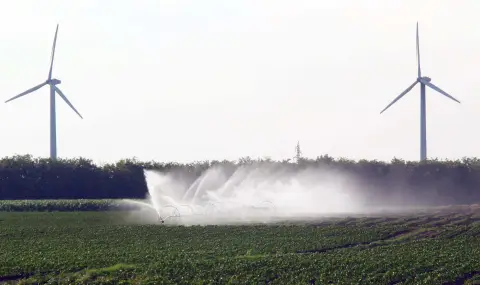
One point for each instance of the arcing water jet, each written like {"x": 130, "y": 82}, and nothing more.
{"x": 251, "y": 194}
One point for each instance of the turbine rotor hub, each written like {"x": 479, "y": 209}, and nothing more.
{"x": 54, "y": 81}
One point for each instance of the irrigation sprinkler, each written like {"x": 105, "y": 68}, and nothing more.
{"x": 175, "y": 214}
{"x": 210, "y": 208}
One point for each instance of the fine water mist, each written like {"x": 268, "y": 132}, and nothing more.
{"x": 249, "y": 194}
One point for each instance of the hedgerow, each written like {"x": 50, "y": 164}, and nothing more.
{"x": 26, "y": 177}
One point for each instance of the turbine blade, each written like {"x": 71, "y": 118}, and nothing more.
{"x": 27, "y": 92}
{"x": 400, "y": 96}
{"x": 53, "y": 54}
{"x": 66, "y": 100}
{"x": 418, "y": 54}
{"x": 429, "y": 84}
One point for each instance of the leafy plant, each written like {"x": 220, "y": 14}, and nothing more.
{"x": 87, "y": 248}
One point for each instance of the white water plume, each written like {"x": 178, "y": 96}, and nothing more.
{"x": 259, "y": 194}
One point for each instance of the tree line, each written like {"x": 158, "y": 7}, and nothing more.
{"x": 433, "y": 181}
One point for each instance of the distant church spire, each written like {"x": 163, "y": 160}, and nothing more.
{"x": 298, "y": 152}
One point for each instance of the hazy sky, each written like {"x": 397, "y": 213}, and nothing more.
{"x": 194, "y": 80}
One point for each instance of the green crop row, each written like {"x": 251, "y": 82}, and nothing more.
{"x": 65, "y": 205}
{"x": 100, "y": 248}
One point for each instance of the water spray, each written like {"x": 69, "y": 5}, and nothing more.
{"x": 250, "y": 194}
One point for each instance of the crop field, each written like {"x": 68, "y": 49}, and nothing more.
{"x": 64, "y": 205}
{"x": 55, "y": 246}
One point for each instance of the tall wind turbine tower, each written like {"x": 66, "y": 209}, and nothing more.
{"x": 424, "y": 81}
{"x": 52, "y": 82}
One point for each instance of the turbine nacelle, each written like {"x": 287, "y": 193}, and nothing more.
{"x": 54, "y": 81}
{"x": 424, "y": 79}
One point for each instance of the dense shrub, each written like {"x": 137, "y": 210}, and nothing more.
{"x": 25, "y": 177}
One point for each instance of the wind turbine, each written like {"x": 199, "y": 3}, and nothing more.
{"x": 424, "y": 81}
{"x": 52, "y": 82}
